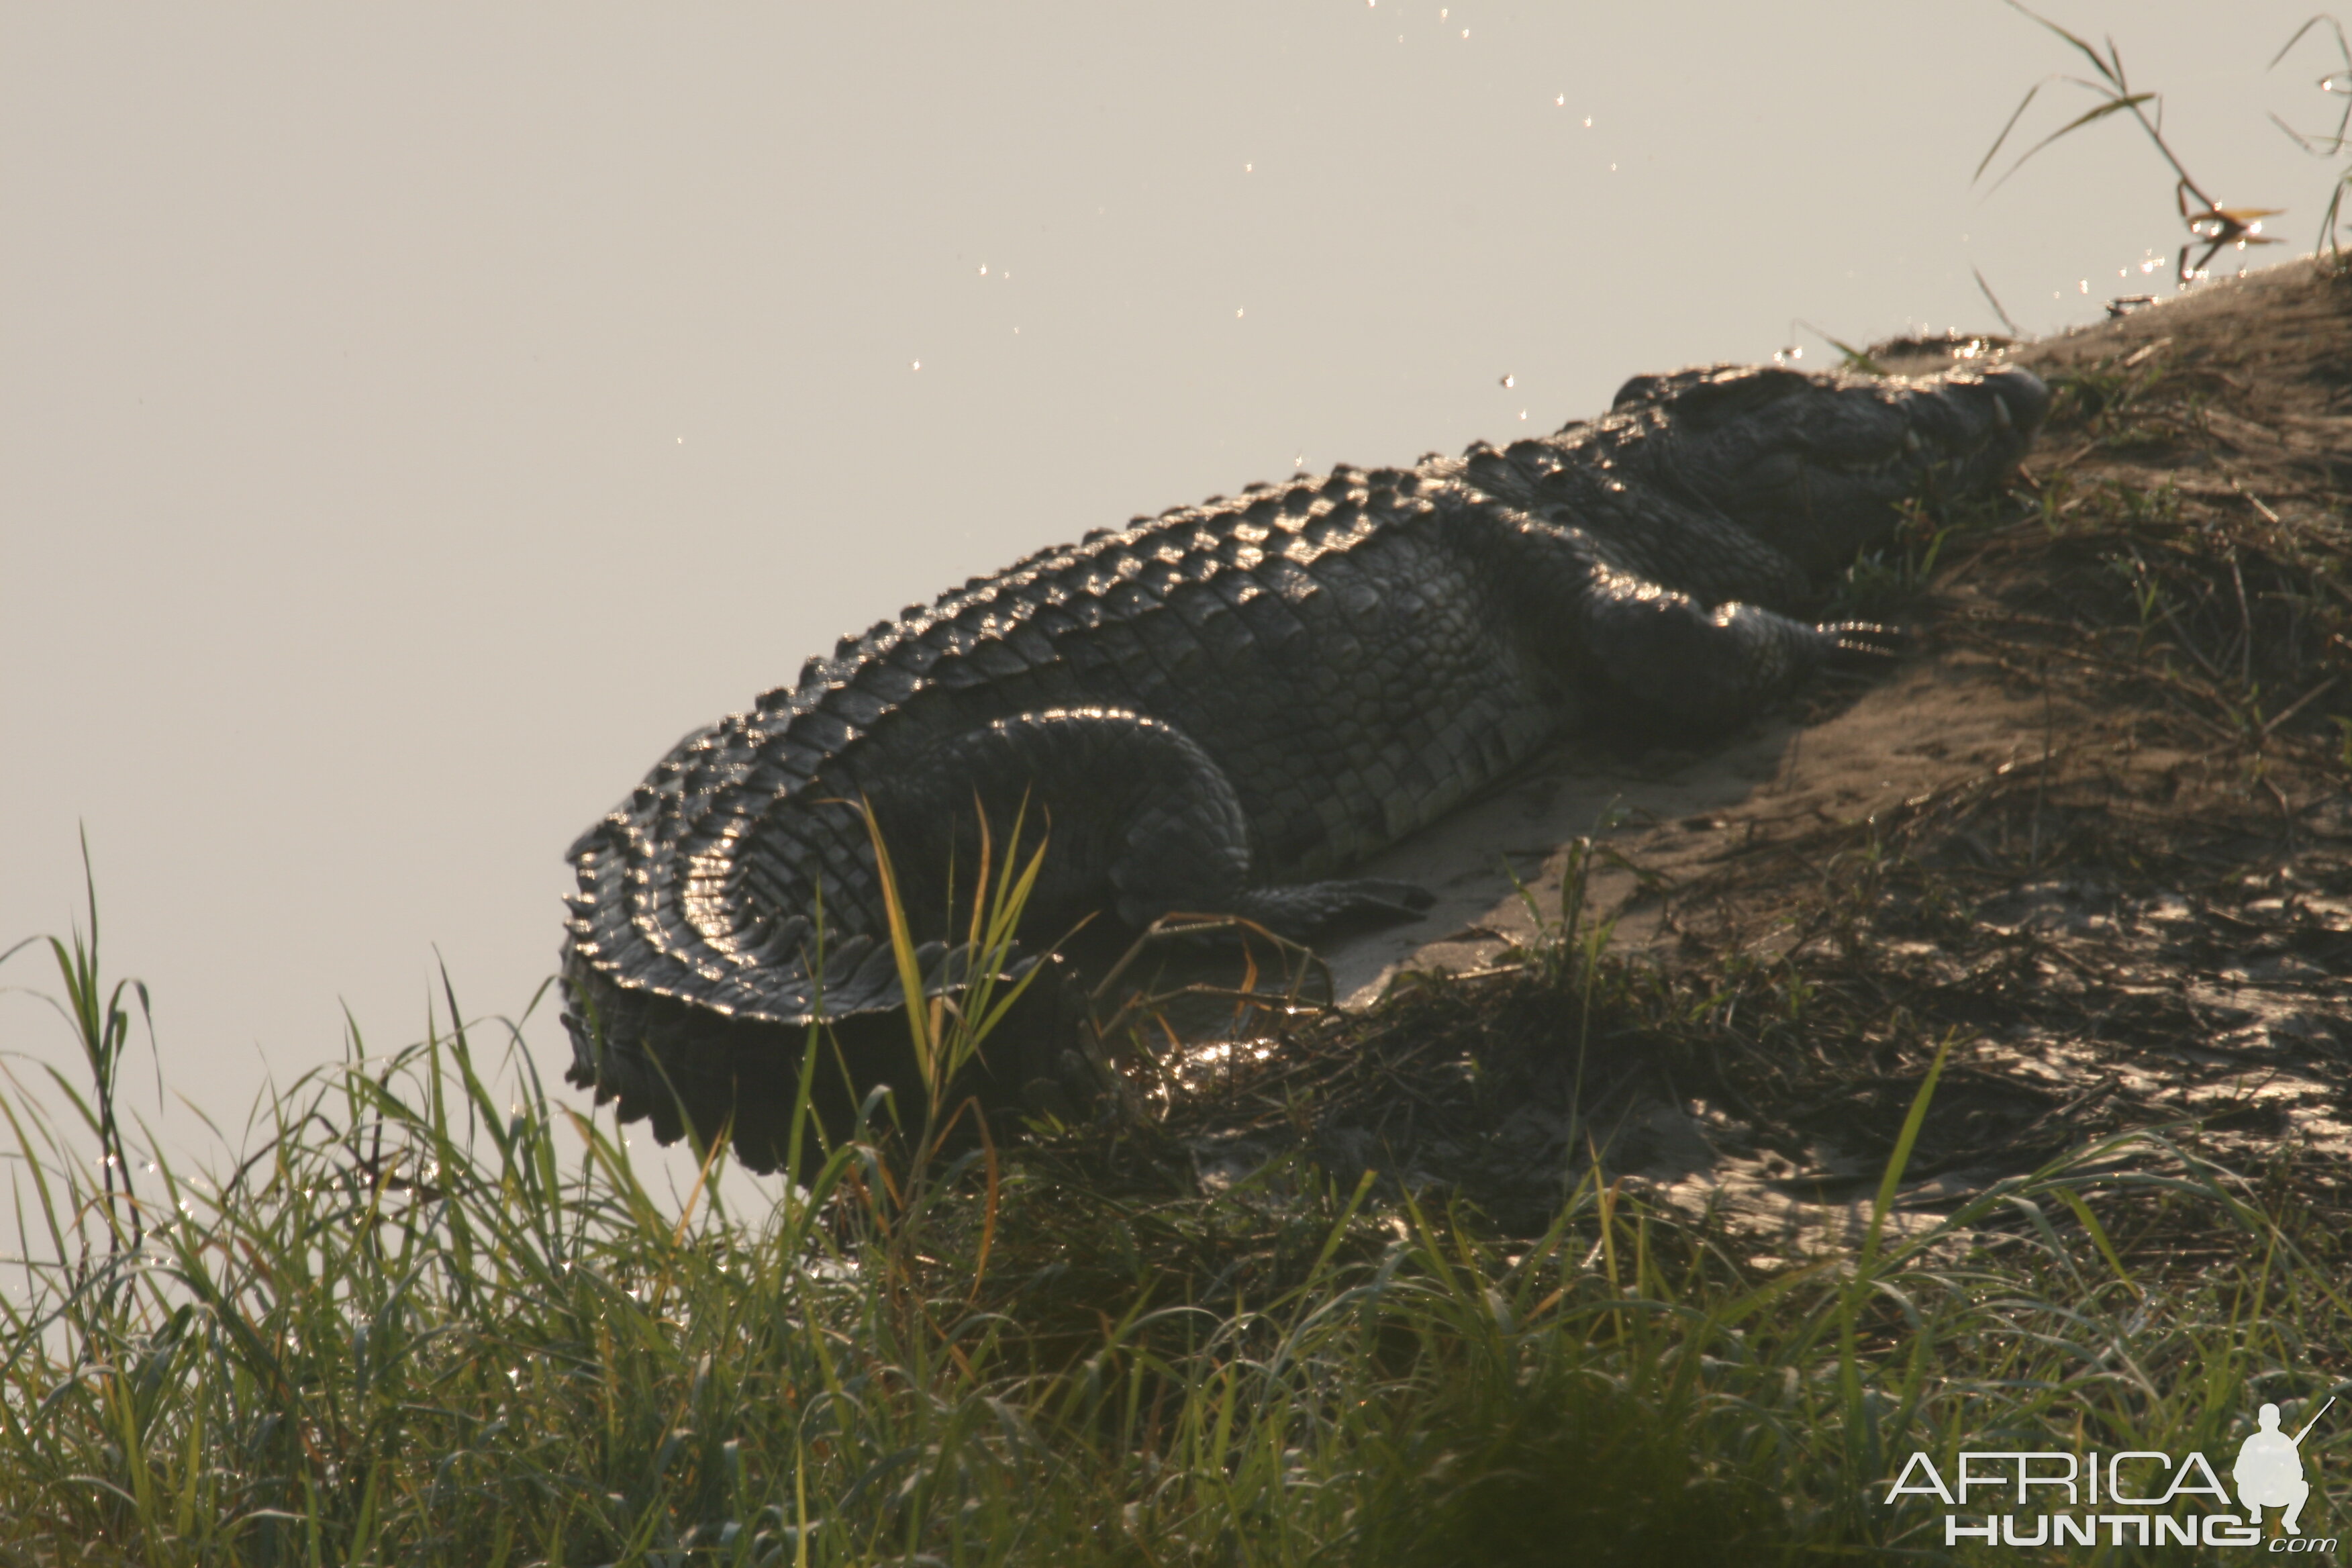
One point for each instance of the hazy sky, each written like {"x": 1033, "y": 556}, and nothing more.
{"x": 414, "y": 418}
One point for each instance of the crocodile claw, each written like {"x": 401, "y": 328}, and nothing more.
{"x": 1861, "y": 648}
{"x": 1303, "y": 910}
{"x": 1381, "y": 897}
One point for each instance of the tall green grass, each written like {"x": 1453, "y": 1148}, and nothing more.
{"x": 429, "y": 1319}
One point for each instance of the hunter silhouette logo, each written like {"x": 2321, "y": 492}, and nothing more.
{"x": 2269, "y": 1471}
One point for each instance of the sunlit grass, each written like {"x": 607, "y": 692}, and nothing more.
{"x": 427, "y": 1320}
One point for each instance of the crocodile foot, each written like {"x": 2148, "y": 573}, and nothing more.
{"x": 1309, "y": 909}
{"x": 1863, "y": 647}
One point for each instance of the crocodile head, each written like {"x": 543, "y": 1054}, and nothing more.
{"x": 1815, "y": 464}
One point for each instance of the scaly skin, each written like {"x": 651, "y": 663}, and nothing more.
{"x": 1222, "y": 708}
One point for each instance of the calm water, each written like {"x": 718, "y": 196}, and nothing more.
{"x": 415, "y": 420}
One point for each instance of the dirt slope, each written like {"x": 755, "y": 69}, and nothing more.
{"x": 2094, "y": 831}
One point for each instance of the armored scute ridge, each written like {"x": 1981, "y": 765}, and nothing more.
{"x": 1225, "y": 707}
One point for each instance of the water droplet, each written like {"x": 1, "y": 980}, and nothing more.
{"x": 1442, "y": 13}
{"x": 1510, "y": 380}
{"x": 1237, "y": 315}
{"x": 1523, "y": 414}
{"x": 681, "y": 440}
{"x": 2085, "y": 285}
{"x": 1247, "y": 168}
{"x": 917, "y": 365}
{"x": 1588, "y": 123}
{"x": 1465, "y": 32}
{"x": 1299, "y": 461}
{"x": 1613, "y": 168}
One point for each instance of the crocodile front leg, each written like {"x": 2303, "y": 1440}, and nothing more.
{"x": 1667, "y": 659}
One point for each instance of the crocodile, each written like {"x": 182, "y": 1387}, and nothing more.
{"x": 1225, "y": 707}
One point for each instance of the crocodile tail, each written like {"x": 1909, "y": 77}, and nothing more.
{"x": 658, "y": 906}
{"x": 693, "y": 1069}
{"x": 684, "y": 1002}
